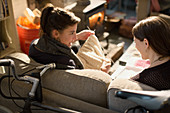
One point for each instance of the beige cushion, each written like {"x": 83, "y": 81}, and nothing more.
{"x": 87, "y": 85}
{"x": 57, "y": 99}
{"x": 119, "y": 104}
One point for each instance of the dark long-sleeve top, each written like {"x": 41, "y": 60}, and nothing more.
{"x": 157, "y": 77}
{"x": 48, "y": 50}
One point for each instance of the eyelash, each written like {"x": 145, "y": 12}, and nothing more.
{"x": 72, "y": 33}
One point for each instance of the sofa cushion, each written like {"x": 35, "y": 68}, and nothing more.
{"x": 57, "y": 99}
{"x": 119, "y": 104}
{"x": 87, "y": 84}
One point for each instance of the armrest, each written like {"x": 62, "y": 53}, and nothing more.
{"x": 152, "y": 100}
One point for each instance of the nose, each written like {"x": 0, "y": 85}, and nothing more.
{"x": 74, "y": 37}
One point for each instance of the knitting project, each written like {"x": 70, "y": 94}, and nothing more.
{"x": 91, "y": 53}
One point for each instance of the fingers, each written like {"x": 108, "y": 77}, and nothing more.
{"x": 83, "y": 35}
{"x": 106, "y": 66}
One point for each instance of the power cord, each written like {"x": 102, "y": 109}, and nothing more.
{"x": 16, "y": 94}
{"x": 10, "y": 88}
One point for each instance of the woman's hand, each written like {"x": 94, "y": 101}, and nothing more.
{"x": 106, "y": 66}
{"x": 83, "y": 35}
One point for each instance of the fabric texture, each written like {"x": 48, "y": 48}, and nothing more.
{"x": 119, "y": 104}
{"x": 87, "y": 85}
{"x": 49, "y": 98}
{"x": 91, "y": 53}
{"x": 48, "y": 50}
{"x": 157, "y": 77}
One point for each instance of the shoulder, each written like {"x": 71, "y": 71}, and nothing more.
{"x": 159, "y": 71}
{"x": 46, "y": 58}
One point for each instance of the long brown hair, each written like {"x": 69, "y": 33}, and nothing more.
{"x": 156, "y": 31}
{"x": 56, "y": 18}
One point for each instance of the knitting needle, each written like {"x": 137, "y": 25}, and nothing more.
{"x": 90, "y": 29}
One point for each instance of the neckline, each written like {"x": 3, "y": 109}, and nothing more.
{"x": 159, "y": 66}
{"x": 159, "y": 61}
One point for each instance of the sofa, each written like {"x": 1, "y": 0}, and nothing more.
{"x": 87, "y": 91}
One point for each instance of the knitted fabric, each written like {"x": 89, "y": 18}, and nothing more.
{"x": 157, "y": 77}
{"x": 91, "y": 54}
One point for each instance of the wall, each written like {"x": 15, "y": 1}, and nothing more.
{"x": 18, "y": 7}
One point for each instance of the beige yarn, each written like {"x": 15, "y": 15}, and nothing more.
{"x": 91, "y": 54}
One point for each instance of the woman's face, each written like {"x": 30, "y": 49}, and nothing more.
{"x": 68, "y": 35}
{"x": 141, "y": 47}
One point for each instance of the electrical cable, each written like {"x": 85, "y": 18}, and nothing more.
{"x": 3, "y": 77}
{"x": 9, "y": 88}
{"x": 16, "y": 94}
{"x": 13, "y": 89}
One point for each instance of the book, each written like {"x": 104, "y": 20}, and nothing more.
{"x": 133, "y": 67}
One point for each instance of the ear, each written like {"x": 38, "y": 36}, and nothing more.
{"x": 146, "y": 42}
{"x": 55, "y": 34}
